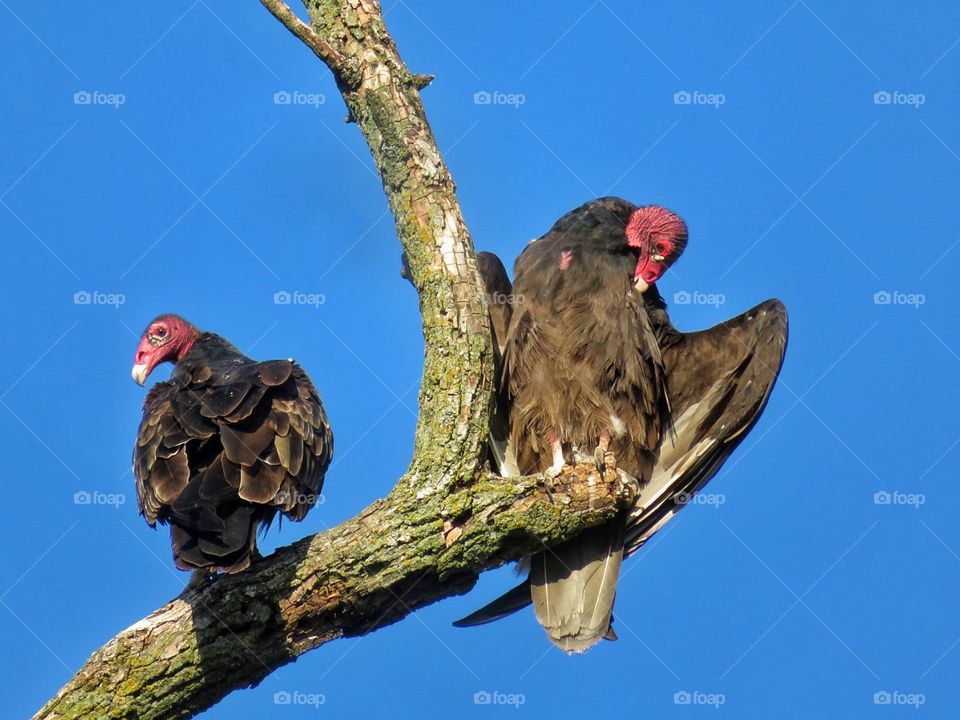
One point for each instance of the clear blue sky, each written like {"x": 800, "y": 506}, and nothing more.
{"x": 796, "y": 594}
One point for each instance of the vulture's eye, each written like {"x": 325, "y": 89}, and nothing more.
{"x": 160, "y": 332}
{"x": 661, "y": 248}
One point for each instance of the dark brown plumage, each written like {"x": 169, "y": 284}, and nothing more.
{"x": 592, "y": 362}
{"x": 718, "y": 383}
{"x": 224, "y": 445}
{"x": 499, "y": 297}
{"x": 582, "y": 359}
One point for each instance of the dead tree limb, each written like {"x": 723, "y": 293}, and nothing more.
{"x": 444, "y": 522}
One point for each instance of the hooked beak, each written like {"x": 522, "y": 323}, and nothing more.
{"x": 640, "y": 285}
{"x": 139, "y": 373}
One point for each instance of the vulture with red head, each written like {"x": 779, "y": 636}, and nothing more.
{"x": 224, "y": 445}
{"x": 592, "y": 364}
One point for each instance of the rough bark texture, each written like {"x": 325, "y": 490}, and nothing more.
{"x": 362, "y": 575}
{"x": 443, "y": 523}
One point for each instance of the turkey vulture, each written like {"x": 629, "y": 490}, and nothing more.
{"x": 593, "y": 364}
{"x": 224, "y": 444}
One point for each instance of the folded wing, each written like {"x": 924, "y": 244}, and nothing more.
{"x": 220, "y": 453}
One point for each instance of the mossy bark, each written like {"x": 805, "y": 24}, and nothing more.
{"x": 444, "y": 522}
{"x": 362, "y": 575}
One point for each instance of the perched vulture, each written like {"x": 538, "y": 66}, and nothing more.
{"x": 592, "y": 364}
{"x": 224, "y": 444}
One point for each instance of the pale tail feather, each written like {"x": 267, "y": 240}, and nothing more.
{"x": 505, "y": 457}
{"x": 573, "y": 586}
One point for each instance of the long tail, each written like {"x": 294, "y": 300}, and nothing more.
{"x": 573, "y": 586}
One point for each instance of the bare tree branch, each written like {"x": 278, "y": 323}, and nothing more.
{"x": 396, "y": 556}
{"x": 444, "y": 522}
{"x": 282, "y": 12}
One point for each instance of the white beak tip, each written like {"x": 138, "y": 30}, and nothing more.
{"x": 640, "y": 285}
{"x": 139, "y": 374}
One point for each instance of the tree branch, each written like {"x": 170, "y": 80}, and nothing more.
{"x": 360, "y": 576}
{"x": 444, "y": 522}
{"x": 282, "y": 12}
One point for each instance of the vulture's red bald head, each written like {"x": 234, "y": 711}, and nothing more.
{"x": 659, "y": 236}
{"x": 167, "y": 337}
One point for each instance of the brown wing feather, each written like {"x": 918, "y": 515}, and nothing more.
{"x": 156, "y": 490}
{"x": 218, "y": 454}
{"x": 719, "y": 381}
{"x": 499, "y": 296}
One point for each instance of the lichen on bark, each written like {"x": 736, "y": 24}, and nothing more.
{"x": 445, "y": 521}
